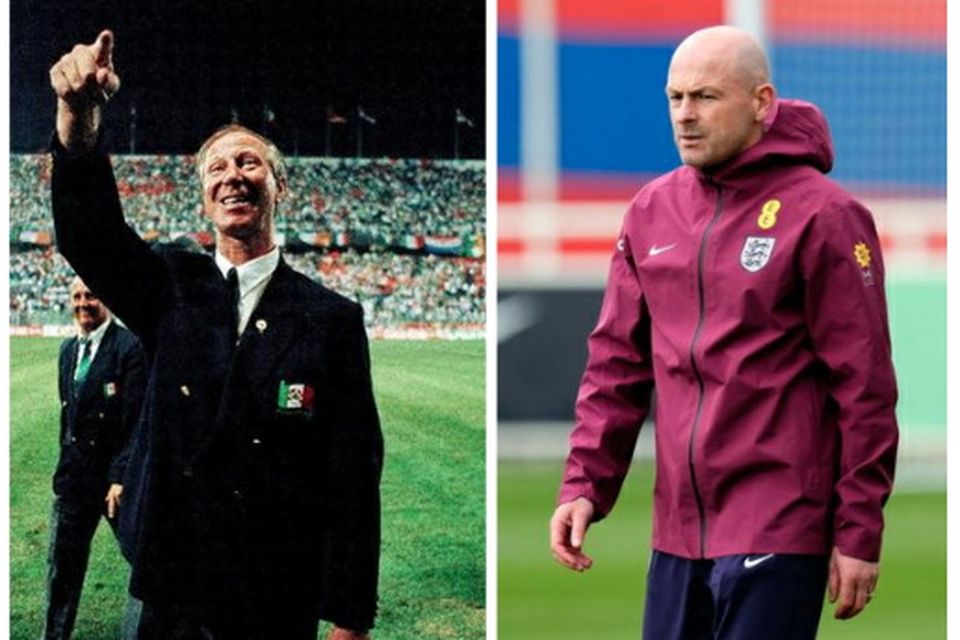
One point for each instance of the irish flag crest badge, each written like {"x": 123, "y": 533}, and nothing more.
{"x": 295, "y": 396}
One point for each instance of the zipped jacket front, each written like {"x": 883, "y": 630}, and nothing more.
{"x": 752, "y": 297}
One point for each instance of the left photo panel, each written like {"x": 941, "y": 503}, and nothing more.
{"x": 247, "y": 314}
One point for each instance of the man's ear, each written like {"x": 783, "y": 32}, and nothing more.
{"x": 281, "y": 189}
{"x": 763, "y": 98}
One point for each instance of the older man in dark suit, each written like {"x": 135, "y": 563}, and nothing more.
{"x": 102, "y": 380}
{"x": 253, "y": 506}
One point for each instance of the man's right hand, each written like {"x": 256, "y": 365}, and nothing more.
{"x": 568, "y": 528}
{"x": 84, "y": 80}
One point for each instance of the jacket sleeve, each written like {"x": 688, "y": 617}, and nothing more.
{"x": 846, "y": 314}
{"x": 133, "y": 384}
{"x": 353, "y": 468}
{"x": 92, "y": 235}
{"x": 614, "y": 395}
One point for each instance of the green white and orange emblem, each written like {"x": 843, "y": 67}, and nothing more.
{"x": 295, "y": 396}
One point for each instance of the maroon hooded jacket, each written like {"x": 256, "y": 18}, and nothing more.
{"x": 752, "y": 296}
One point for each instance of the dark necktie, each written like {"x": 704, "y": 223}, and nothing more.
{"x": 83, "y": 366}
{"x": 233, "y": 295}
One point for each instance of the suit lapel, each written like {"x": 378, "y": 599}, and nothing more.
{"x": 273, "y": 327}
{"x": 69, "y": 366}
{"x": 271, "y": 332}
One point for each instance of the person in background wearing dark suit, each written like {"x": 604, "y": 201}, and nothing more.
{"x": 252, "y": 500}
{"x": 102, "y": 381}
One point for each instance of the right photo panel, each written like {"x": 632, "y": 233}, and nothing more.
{"x": 721, "y": 319}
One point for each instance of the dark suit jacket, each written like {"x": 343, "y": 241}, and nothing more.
{"x": 98, "y": 416}
{"x": 256, "y": 476}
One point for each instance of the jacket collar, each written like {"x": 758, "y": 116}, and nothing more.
{"x": 795, "y": 132}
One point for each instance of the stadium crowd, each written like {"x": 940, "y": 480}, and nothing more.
{"x": 395, "y": 289}
{"x": 371, "y": 202}
{"x": 357, "y": 225}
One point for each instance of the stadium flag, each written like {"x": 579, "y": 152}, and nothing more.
{"x": 332, "y": 118}
{"x": 411, "y": 241}
{"x": 462, "y": 119}
{"x": 234, "y": 115}
{"x": 443, "y": 245}
{"x": 366, "y": 117}
{"x": 473, "y": 245}
{"x": 39, "y": 238}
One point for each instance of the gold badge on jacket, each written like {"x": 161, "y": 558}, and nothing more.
{"x": 861, "y": 253}
{"x": 768, "y": 214}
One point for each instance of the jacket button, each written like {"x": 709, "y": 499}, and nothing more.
{"x": 63, "y": 403}
{"x": 185, "y": 390}
{"x": 255, "y": 441}
{"x": 101, "y": 415}
{"x": 188, "y": 472}
{"x": 93, "y": 442}
{"x": 73, "y": 439}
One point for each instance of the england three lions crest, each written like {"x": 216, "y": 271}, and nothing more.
{"x": 756, "y": 253}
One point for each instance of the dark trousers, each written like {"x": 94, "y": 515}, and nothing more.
{"x": 72, "y": 525}
{"x": 743, "y": 597}
{"x": 257, "y": 622}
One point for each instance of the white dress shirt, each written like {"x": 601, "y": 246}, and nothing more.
{"x": 94, "y": 338}
{"x": 252, "y": 277}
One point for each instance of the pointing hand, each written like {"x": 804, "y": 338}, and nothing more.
{"x": 84, "y": 80}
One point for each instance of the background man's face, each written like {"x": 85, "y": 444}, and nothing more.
{"x": 713, "y": 115}
{"x": 88, "y": 312}
{"x": 240, "y": 191}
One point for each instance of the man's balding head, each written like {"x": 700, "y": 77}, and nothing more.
{"x": 88, "y": 312}
{"x": 736, "y": 51}
{"x": 720, "y": 92}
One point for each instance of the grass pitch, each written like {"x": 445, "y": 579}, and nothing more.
{"x": 432, "y": 573}
{"x": 540, "y": 599}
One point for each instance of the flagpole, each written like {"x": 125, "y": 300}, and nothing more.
{"x": 359, "y": 134}
{"x": 456, "y": 135}
{"x": 133, "y": 129}
{"x": 326, "y": 131}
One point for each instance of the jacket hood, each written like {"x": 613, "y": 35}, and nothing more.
{"x": 795, "y": 132}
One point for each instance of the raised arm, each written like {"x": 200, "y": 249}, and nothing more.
{"x": 90, "y": 228}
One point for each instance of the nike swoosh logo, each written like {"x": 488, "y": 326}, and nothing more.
{"x": 750, "y": 563}
{"x": 655, "y": 250}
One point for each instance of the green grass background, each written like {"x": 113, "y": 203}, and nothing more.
{"x": 432, "y": 585}
{"x": 540, "y": 599}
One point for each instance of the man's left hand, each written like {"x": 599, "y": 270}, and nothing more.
{"x": 851, "y": 583}
{"x": 339, "y": 633}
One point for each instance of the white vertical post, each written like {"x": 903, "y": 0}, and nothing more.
{"x": 539, "y": 96}
{"x": 751, "y": 16}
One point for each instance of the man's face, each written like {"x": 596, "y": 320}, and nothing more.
{"x": 714, "y": 116}
{"x": 88, "y": 312}
{"x": 240, "y": 191}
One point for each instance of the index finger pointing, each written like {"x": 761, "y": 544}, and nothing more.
{"x": 103, "y": 48}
